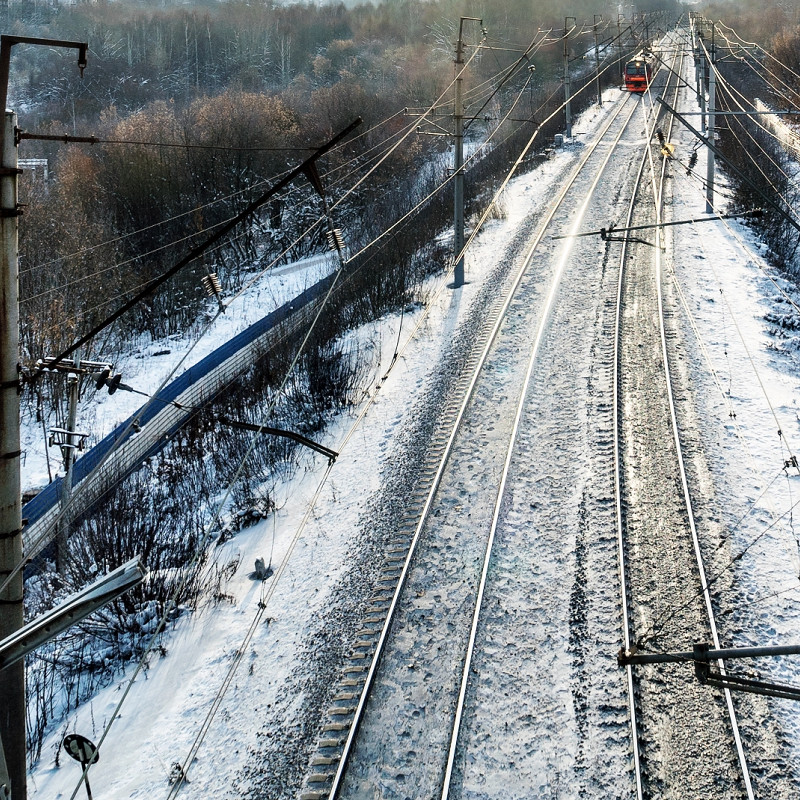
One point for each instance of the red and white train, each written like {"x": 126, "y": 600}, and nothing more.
{"x": 639, "y": 70}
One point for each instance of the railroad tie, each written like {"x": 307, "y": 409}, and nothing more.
{"x": 324, "y": 761}
{"x": 321, "y": 777}
{"x": 326, "y": 743}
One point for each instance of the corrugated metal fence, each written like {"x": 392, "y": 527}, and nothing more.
{"x": 124, "y": 449}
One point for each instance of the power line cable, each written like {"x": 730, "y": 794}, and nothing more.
{"x": 725, "y": 88}
{"x": 759, "y": 47}
{"x": 126, "y": 690}
{"x": 35, "y": 546}
{"x": 222, "y": 502}
{"x": 227, "y": 683}
{"x": 68, "y": 139}
{"x": 511, "y": 173}
{"x": 511, "y": 72}
{"x": 241, "y": 291}
{"x": 77, "y": 281}
{"x": 197, "y": 251}
{"x": 146, "y": 283}
{"x": 789, "y": 208}
{"x": 657, "y": 626}
{"x": 196, "y": 209}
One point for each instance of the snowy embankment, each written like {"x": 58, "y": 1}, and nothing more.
{"x": 165, "y": 709}
{"x": 150, "y": 362}
{"x": 787, "y": 135}
{"x": 740, "y": 319}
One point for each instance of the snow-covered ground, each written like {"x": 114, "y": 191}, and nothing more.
{"x": 728, "y": 291}
{"x": 745, "y": 372}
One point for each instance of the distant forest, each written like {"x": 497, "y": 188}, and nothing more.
{"x": 758, "y": 52}
{"x": 141, "y": 53}
{"x": 227, "y": 89}
{"x": 759, "y": 22}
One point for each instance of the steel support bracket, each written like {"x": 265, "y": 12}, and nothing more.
{"x": 751, "y": 685}
{"x": 701, "y": 665}
{"x": 72, "y": 610}
{"x": 17, "y": 384}
{"x": 331, "y": 455}
{"x": 5, "y": 780}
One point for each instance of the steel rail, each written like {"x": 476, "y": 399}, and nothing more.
{"x": 616, "y": 429}
{"x": 424, "y": 514}
{"x": 687, "y": 495}
{"x": 626, "y": 625}
{"x": 658, "y": 197}
{"x": 555, "y": 282}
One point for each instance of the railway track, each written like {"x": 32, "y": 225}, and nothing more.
{"x": 685, "y": 737}
{"x": 407, "y": 717}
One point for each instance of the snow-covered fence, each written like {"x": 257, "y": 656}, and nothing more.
{"x": 97, "y": 471}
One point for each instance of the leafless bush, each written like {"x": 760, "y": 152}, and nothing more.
{"x": 751, "y": 149}
{"x": 154, "y": 514}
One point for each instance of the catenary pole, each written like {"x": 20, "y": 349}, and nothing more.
{"x": 597, "y": 62}
{"x": 68, "y": 451}
{"x": 458, "y": 158}
{"x": 711, "y": 132}
{"x": 732, "y": 167}
{"x": 701, "y": 63}
{"x": 567, "y": 87}
{"x": 12, "y": 679}
{"x": 458, "y": 165}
